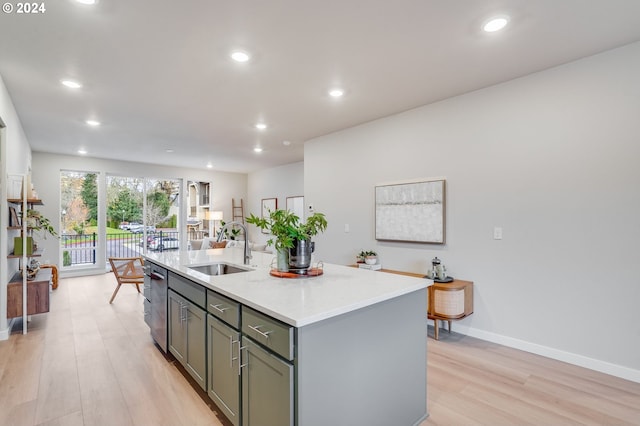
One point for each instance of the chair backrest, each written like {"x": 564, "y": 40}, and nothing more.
{"x": 127, "y": 269}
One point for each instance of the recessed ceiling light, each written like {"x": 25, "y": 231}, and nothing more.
{"x": 168, "y": 150}
{"x": 87, "y": 1}
{"x": 496, "y": 24}
{"x": 261, "y": 126}
{"x": 336, "y": 93}
{"x": 82, "y": 151}
{"x": 72, "y": 84}
{"x": 257, "y": 149}
{"x": 209, "y": 166}
{"x": 239, "y": 56}
{"x": 92, "y": 123}
{"x": 286, "y": 143}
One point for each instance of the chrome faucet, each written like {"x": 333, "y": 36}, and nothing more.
{"x": 247, "y": 250}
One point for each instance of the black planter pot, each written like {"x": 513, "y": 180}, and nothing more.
{"x": 300, "y": 254}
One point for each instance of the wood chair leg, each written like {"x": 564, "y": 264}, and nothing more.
{"x": 449, "y": 326}
{"x": 138, "y": 288}
{"x": 113, "y": 296}
{"x": 435, "y": 327}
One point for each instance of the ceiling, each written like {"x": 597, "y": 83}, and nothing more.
{"x": 157, "y": 73}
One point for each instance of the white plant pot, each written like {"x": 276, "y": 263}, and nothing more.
{"x": 370, "y": 260}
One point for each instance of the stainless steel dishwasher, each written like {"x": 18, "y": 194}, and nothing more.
{"x": 155, "y": 280}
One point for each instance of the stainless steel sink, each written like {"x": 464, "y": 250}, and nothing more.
{"x": 218, "y": 269}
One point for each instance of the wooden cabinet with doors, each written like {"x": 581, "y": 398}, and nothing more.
{"x": 37, "y": 294}
{"x": 449, "y": 301}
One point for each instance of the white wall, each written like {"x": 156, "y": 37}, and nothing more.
{"x": 46, "y": 181}
{"x": 18, "y": 151}
{"x": 277, "y": 182}
{"x": 553, "y": 158}
{"x": 15, "y": 158}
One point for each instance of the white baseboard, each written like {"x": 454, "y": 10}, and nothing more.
{"x": 4, "y": 333}
{"x": 81, "y": 272}
{"x": 568, "y": 357}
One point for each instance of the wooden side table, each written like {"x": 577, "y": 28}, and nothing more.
{"x": 449, "y": 301}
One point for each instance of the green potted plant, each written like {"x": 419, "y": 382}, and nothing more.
{"x": 230, "y": 234}
{"x": 362, "y": 256}
{"x": 370, "y": 257}
{"x": 35, "y": 222}
{"x": 291, "y": 238}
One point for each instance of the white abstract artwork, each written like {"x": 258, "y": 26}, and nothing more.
{"x": 296, "y": 206}
{"x": 411, "y": 212}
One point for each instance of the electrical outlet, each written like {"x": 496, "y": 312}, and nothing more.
{"x": 346, "y": 227}
{"x": 497, "y": 233}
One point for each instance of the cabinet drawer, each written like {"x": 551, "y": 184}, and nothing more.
{"x": 192, "y": 291}
{"x": 268, "y": 331}
{"x": 224, "y": 308}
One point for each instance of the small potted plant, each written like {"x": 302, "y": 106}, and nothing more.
{"x": 230, "y": 234}
{"x": 37, "y": 222}
{"x": 370, "y": 257}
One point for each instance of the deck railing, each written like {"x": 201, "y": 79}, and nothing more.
{"x": 81, "y": 249}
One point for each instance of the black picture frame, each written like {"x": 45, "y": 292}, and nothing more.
{"x": 14, "y": 219}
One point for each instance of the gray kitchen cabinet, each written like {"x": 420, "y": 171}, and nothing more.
{"x": 263, "y": 370}
{"x": 267, "y": 387}
{"x": 223, "y": 347}
{"x": 177, "y": 341}
{"x": 187, "y": 336}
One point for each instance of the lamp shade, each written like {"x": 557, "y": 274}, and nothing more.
{"x": 214, "y": 215}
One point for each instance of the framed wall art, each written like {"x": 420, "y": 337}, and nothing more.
{"x": 14, "y": 186}
{"x": 296, "y": 206}
{"x": 412, "y": 211}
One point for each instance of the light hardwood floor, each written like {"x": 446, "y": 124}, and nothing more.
{"x": 90, "y": 363}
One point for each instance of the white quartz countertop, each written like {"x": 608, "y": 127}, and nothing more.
{"x": 295, "y": 301}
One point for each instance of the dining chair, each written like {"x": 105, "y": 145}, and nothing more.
{"x": 127, "y": 270}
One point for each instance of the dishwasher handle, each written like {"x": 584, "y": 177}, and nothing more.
{"x": 157, "y": 276}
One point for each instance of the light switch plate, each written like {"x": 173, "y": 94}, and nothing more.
{"x": 497, "y": 233}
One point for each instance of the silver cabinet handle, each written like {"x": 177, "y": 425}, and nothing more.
{"x": 183, "y": 312}
{"x": 256, "y": 328}
{"x": 231, "y": 357}
{"x": 240, "y": 364}
{"x": 217, "y": 308}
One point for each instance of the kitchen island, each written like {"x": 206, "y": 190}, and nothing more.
{"x": 346, "y": 347}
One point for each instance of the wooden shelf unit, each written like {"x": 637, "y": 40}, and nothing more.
{"x": 37, "y": 253}
{"x": 37, "y": 290}
{"x": 32, "y": 201}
